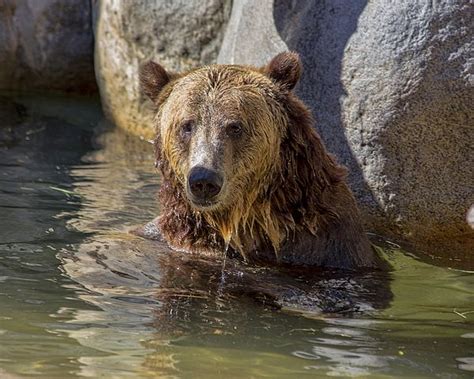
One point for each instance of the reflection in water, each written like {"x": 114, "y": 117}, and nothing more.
{"x": 349, "y": 349}
{"x": 81, "y": 297}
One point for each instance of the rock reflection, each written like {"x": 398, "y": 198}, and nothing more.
{"x": 117, "y": 183}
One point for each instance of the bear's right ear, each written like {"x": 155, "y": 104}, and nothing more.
{"x": 153, "y": 77}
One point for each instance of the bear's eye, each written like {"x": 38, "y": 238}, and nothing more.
{"x": 234, "y": 129}
{"x": 187, "y": 128}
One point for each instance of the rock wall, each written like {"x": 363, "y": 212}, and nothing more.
{"x": 391, "y": 87}
{"x": 46, "y": 45}
{"x": 179, "y": 34}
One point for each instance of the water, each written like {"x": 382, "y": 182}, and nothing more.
{"x": 79, "y": 297}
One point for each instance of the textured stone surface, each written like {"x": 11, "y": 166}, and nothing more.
{"x": 391, "y": 87}
{"x": 46, "y": 45}
{"x": 179, "y": 34}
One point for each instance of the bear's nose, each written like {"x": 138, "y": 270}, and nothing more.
{"x": 204, "y": 183}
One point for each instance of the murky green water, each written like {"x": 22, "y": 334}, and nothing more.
{"x": 81, "y": 297}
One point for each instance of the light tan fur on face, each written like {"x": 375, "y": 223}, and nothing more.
{"x": 213, "y": 96}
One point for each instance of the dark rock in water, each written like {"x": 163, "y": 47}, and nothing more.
{"x": 390, "y": 85}
{"x": 11, "y": 112}
{"x": 46, "y": 45}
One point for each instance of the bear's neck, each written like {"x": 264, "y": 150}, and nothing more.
{"x": 249, "y": 226}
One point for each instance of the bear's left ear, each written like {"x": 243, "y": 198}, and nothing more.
{"x": 153, "y": 77}
{"x": 284, "y": 69}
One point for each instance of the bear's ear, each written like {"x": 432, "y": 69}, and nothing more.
{"x": 284, "y": 69}
{"x": 153, "y": 77}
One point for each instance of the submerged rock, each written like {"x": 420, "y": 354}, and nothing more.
{"x": 390, "y": 85}
{"x": 179, "y": 35}
{"x": 46, "y": 45}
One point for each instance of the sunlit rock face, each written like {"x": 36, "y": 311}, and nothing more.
{"x": 178, "y": 34}
{"x": 46, "y": 45}
{"x": 390, "y": 85}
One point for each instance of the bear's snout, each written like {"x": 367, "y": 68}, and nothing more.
{"x": 204, "y": 184}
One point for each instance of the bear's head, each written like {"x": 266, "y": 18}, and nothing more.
{"x": 238, "y": 154}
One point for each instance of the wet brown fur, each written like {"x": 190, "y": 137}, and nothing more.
{"x": 295, "y": 209}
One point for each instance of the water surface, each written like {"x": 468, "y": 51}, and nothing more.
{"x": 79, "y": 296}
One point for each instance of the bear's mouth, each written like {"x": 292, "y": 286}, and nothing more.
{"x": 203, "y": 204}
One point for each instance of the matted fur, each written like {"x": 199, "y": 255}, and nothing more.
{"x": 296, "y": 208}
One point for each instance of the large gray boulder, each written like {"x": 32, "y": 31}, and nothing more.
{"x": 46, "y": 45}
{"x": 179, "y": 34}
{"x": 391, "y": 87}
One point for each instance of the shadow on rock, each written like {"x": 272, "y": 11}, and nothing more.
{"x": 319, "y": 31}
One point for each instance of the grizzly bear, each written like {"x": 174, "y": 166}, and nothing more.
{"x": 245, "y": 173}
